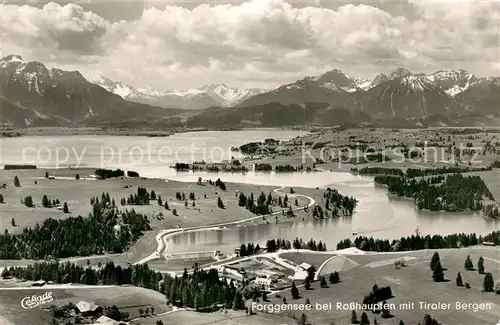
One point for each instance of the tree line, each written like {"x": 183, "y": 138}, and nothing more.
{"x": 417, "y": 242}
{"x": 419, "y": 172}
{"x": 273, "y": 245}
{"x": 263, "y": 167}
{"x": 109, "y": 274}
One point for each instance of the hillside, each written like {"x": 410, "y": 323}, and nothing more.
{"x": 57, "y": 97}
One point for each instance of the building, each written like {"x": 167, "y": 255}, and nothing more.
{"x": 487, "y": 243}
{"x": 88, "y": 308}
{"x": 103, "y": 320}
{"x": 305, "y": 266}
{"x": 265, "y": 282}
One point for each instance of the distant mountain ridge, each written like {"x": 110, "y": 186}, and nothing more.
{"x": 194, "y": 98}
{"x": 399, "y": 94}
{"x": 32, "y": 95}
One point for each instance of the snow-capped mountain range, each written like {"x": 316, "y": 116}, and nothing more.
{"x": 31, "y": 94}
{"x": 398, "y": 94}
{"x": 193, "y": 98}
{"x": 334, "y": 87}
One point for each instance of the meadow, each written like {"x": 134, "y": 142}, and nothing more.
{"x": 412, "y": 283}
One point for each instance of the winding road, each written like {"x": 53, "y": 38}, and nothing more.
{"x": 162, "y": 237}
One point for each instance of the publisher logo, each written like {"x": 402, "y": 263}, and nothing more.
{"x": 35, "y": 301}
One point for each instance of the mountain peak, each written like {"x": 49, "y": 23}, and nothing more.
{"x": 417, "y": 83}
{"x": 400, "y": 73}
{"x": 13, "y": 61}
{"x": 12, "y": 58}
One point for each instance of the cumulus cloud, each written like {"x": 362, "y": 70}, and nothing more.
{"x": 53, "y": 27}
{"x": 257, "y": 43}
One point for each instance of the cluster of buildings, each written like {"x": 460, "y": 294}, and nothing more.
{"x": 268, "y": 278}
{"x": 90, "y": 309}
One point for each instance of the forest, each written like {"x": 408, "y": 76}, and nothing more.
{"x": 105, "y": 230}
{"x": 417, "y": 242}
{"x": 202, "y": 290}
{"x": 339, "y": 204}
{"x": 453, "y": 193}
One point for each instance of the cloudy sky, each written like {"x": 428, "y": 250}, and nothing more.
{"x": 258, "y": 43}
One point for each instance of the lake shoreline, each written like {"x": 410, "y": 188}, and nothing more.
{"x": 147, "y": 132}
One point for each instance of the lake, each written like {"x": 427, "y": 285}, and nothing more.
{"x": 150, "y": 156}
{"x": 377, "y": 215}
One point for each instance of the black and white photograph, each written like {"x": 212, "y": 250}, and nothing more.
{"x": 249, "y": 162}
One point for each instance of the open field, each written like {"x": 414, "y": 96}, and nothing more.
{"x": 412, "y": 283}
{"x": 178, "y": 265}
{"x": 312, "y": 258}
{"x": 77, "y": 194}
{"x": 127, "y": 299}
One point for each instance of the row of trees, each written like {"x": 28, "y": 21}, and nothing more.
{"x": 109, "y": 274}
{"x": 249, "y": 249}
{"x": 273, "y": 245}
{"x": 105, "y": 230}
{"x": 418, "y": 172}
{"x": 456, "y": 193}
{"x": 46, "y": 203}
{"x": 182, "y": 197}
{"x": 263, "y": 167}
{"x": 417, "y": 242}
{"x": 183, "y": 166}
